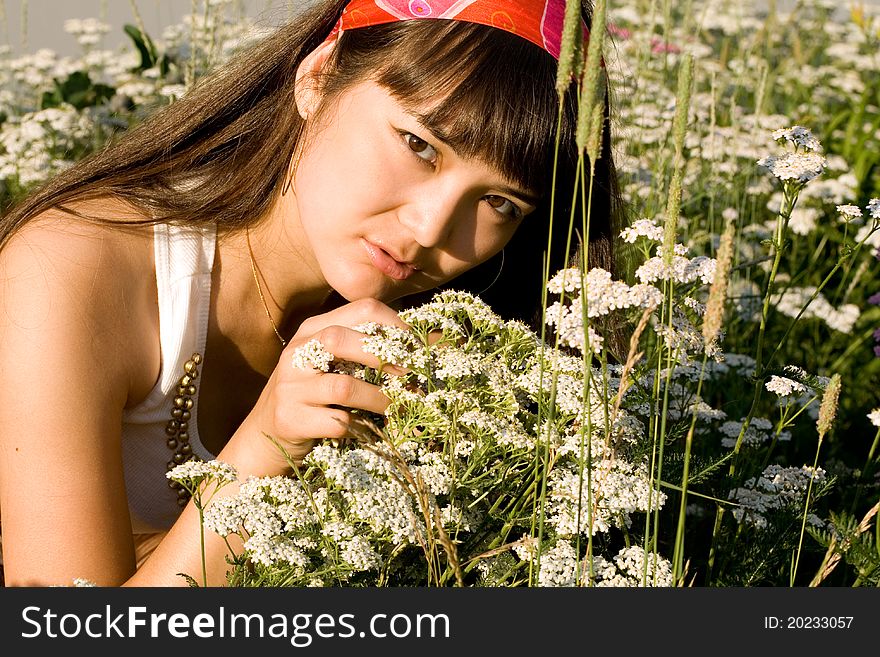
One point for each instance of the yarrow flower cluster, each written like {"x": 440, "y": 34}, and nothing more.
{"x": 800, "y": 165}
{"x": 628, "y": 568}
{"x": 642, "y": 228}
{"x": 601, "y": 295}
{"x": 778, "y": 488}
{"x": 793, "y": 300}
{"x": 88, "y": 31}
{"x": 312, "y": 355}
{"x": 759, "y": 431}
{"x": 193, "y": 473}
{"x": 456, "y": 446}
{"x": 797, "y": 167}
{"x": 849, "y": 213}
{"x": 680, "y": 270}
{"x": 797, "y": 136}
{"x": 783, "y": 386}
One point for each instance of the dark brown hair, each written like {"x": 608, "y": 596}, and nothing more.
{"x": 221, "y": 154}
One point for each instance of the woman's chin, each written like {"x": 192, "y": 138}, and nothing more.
{"x": 364, "y": 282}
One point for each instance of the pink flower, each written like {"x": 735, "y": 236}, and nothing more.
{"x": 658, "y": 46}
{"x": 621, "y": 32}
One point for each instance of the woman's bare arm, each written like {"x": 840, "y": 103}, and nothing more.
{"x": 78, "y": 344}
{"x": 65, "y": 376}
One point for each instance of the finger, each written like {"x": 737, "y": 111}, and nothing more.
{"x": 344, "y": 390}
{"x": 325, "y": 423}
{"x": 354, "y": 313}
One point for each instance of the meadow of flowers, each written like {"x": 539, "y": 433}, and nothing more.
{"x": 732, "y": 441}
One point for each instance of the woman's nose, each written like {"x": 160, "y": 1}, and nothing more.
{"x": 432, "y": 217}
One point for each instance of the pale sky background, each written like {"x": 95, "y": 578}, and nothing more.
{"x": 45, "y": 18}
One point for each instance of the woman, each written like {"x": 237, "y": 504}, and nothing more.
{"x": 353, "y": 160}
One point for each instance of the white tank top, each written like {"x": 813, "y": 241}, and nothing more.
{"x": 184, "y": 258}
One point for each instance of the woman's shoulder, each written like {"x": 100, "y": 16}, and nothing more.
{"x": 101, "y": 227}
{"x": 83, "y": 273}
{"x": 87, "y": 243}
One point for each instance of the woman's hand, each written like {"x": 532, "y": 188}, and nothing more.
{"x": 299, "y": 405}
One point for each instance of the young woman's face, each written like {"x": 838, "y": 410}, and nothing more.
{"x": 388, "y": 208}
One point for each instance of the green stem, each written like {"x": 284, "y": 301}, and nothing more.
{"x": 197, "y": 500}
{"x": 806, "y": 509}
{"x": 678, "y": 553}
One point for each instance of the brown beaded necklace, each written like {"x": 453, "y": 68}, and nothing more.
{"x": 177, "y": 428}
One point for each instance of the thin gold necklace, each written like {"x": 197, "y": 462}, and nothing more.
{"x": 260, "y": 289}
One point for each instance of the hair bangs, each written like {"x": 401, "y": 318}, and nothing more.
{"x": 489, "y": 94}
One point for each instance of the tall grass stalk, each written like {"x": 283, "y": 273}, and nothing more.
{"x": 667, "y": 354}
{"x": 827, "y": 414}
{"x": 593, "y": 147}
{"x": 712, "y": 323}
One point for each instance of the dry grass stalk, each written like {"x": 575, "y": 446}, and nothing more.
{"x": 368, "y": 435}
{"x": 632, "y": 358}
{"x": 832, "y": 555}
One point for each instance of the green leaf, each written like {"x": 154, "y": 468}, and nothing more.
{"x": 50, "y": 99}
{"x": 77, "y": 81}
{"x": 145, "y": 46}
{"x": 77, "y": 90}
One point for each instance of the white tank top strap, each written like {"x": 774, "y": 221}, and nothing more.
{"x": 184, "y": 258}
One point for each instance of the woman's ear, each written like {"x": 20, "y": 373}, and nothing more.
{"x": 307, "y": 90}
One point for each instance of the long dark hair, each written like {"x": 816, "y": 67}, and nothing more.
{"x": 221, "y": 154}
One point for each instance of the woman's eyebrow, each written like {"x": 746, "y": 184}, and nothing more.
{"x": 441, "y": 135}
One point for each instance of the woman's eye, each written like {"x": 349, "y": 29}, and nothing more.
{"x": 504, "y": 207}
{"x": 420, "y": 147}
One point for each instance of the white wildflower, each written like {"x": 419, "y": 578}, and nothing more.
{"x": 224, "y": 516}
{"x": 338, "y": 530}
{"x": 526, "y": 548}
{"x": 395, "y": 346}
{"x": 783, "y": 386}
{"x": 602, "y": 296}
{"x": 776, "y": 488}
{"x": 730, "y": 214}
{"x": 630, "y": 570}
{"x": 80, "y": 582}
{"x": 798, "y": 136}
{"x": 192, "y": 473}
{"x": 803, "y": 220}
{"x": 801, "y": 167}
{"x": 359, "y": 554}
{"x": 874, "y": 417}
{"x": 849, "y": 213}
{"x": 680, "y": 270}
{"x": 617, "y": 489}
{"x": 793, "y": 300}
{"x": 173, "y": 91}
{"x": 646, "y": 228}
{"x": 558, "y": 565}
{"x": 312, "y": 355}
{"x": 757, "y": 433}
{"x": 873, "y": 208}
{"x": 272, "y": 550}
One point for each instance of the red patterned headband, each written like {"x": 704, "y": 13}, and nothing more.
{"x": 539, "y": 21}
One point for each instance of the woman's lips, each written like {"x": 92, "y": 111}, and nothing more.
{"x": 382, "y": 261}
